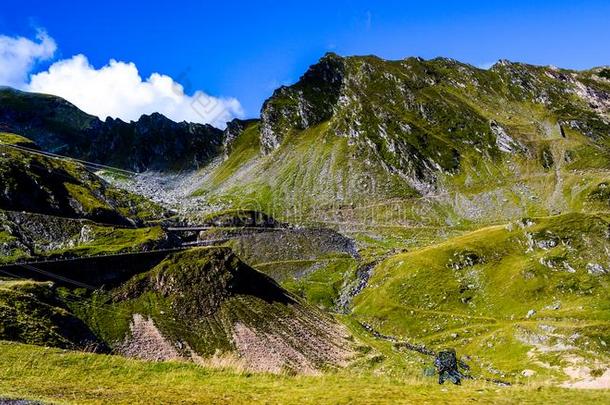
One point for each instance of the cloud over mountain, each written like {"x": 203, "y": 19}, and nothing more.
{"x": 18, "y": 56}
{"x": 116, "y": 89}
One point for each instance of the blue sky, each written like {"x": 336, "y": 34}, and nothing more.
{"x": 246, "y": 49}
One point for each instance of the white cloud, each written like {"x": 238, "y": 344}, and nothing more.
{"x": 114, "y": 90}
{"x": 19, "y": 55}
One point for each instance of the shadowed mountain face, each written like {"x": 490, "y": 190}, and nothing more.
{"x": 31, "y": 312}
{"x": 154, "y": 142}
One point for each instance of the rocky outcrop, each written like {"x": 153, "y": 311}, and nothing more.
{"x": 309, "y": 102}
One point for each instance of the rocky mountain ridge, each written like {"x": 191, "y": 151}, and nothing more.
{"x": 417, "y": 119}
{"x": 154, "y": 142}
{"x": 422, "y": 117}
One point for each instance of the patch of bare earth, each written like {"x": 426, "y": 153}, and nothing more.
{"x": 146, "y": 342}
{"x": 582, "y": 373}
{"x": 295, "y": 345}
{"x": 585, "y": 375}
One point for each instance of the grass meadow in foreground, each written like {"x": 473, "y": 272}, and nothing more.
{"x": 57, "y": 376}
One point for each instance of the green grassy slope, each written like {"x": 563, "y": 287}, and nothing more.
{"x": 40, "y": 184}
{"x": 529, "y": 295}
{"x": 316, "y": 172}
{"x": 96, "y": 379}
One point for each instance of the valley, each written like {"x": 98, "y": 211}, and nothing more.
{"x": 376, "y": 212}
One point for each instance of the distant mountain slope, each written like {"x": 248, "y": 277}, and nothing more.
{"x": 424, "y": 117}
{"x": 412, "y": 141}
{"x": 154, "y": 142}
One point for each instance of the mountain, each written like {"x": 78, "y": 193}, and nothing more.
{"x": 358, "y": 129}
{"x": 424, "y": 117}
{"x": 477, "y": 200}
{"x": 467, "y": 208}
{"x": 437, "y": 140}
{"x": 154, "y": 142}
